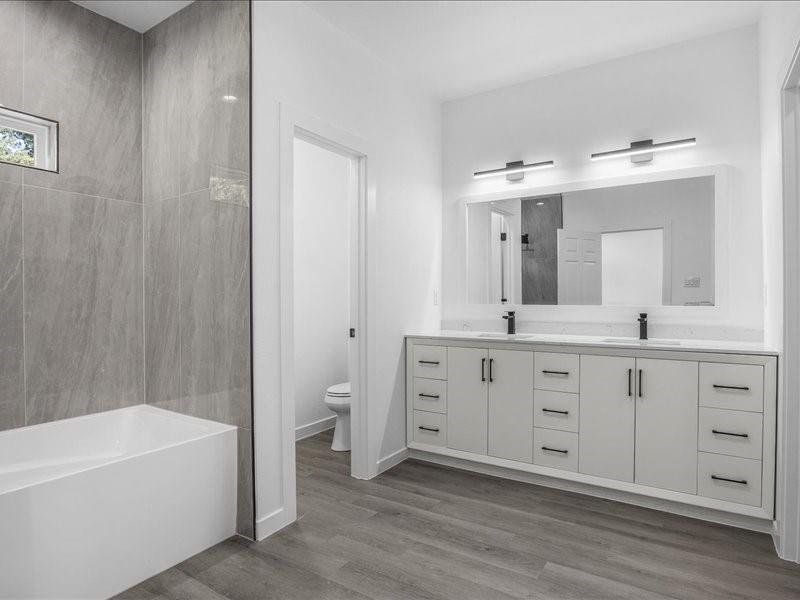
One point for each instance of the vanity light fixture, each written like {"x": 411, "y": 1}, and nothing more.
{"x": 514, "y": 171}
{"x": 643, "y": 150}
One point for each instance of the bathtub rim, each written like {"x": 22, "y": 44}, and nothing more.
{"x": 216, "y": 428}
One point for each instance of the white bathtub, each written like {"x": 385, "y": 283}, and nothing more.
{"x": 92, "y": 505}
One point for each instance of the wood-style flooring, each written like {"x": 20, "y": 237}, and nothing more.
{"x": 429, "y": 532}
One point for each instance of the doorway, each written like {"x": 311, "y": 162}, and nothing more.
{"x": 323, "y": 193}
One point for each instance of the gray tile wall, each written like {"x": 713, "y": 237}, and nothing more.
{"x": 125, "y": 277}
{"x": 196, "y": 148}
{"x": 71, "y": 243}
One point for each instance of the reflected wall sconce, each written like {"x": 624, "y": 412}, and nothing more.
{"x": 643, "y": 150}
{"x": 514, "y": 171}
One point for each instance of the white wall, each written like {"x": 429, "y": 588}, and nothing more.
{"x": 321, "y": 278}
{"x": 300, "y": 60}
{"x": 779, "y": 33}
{"x": 707, "y": 88}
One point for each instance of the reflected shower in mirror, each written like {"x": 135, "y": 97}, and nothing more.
{"x": 647, "y": 244}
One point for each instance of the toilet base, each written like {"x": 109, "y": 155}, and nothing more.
{"x": 341, "y": 433}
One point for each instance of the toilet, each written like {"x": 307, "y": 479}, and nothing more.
{"x": 337, "y": 399}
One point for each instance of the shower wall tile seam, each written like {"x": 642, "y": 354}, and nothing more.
{"x": 22, "y": 307}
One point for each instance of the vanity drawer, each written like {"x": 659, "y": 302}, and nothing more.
{"x": 430, "y": 361}
{"x": 729, "y": 478}
{"x": 430, "y": 428}
{"x": 555, "y": 410}
{"x": 556, "y": 449}
{"x": 735, "y": 387}
{"x": 430, "y": 395}
{"x": 555, "y": 372}
{"x": 731, "y": 432}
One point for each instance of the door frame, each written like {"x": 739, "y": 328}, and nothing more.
{"x": 787, "y": 512}
{"x": 297, "y": 124}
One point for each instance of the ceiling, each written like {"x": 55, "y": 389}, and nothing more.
{"x": 139, "y": 15}
{"x": 454, "y": 49}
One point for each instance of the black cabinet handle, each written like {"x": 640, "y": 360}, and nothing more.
{"x": 547, "y": 449}
{"x": 630, "y": 373}
{"x": 483, "y": 369}
{"x": 491, "y": 362}
{"x": 640, "y": 383}
{"x": 546, "y": 372}
{"x": 718, "y": 386}
{"x": 429, "y": 395}
{"x": 428, "y": 362}
{"x": 433, "y": 429}
{"x": 718, "y": 432}
{"x": 552, "y": 410}
{"x": 728, "y": 479}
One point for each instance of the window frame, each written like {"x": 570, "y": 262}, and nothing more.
{"x": 45, "y": 134}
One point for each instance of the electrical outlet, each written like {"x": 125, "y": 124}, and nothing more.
{"x": 436, "y": 296}
{"x": 691, "y": 282}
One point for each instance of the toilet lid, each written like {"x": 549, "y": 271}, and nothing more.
{"x": 340, "y": 390}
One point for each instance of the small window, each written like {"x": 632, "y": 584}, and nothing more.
{"x": 28, "y": 141}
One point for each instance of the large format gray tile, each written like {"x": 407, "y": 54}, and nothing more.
{"x": 161, "y": 111}
{"x": 11, "y": 20}
{"x": 161, "y": 276}
{"x": 83, "y": 304}
{"x": 215, "y": 309}
{"x": 214, "y": 90}
{"x": 244, "y": 511}
{"x": 84, "y": 71}
{"x": 12, "y": 392}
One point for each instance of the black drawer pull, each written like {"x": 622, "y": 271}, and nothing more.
{"x": 429, "y": 396}
{"x": 728, "y": 479}
{"x": 718, "y": 386}
{"x": 552, "y": 410}
{"x": 483, "y": 369}
{"x": 433, "y": 429}
{"x": 546, "y": 372}
{"x": 741, "y": 435}
{"x": 491, "y": 377}
{"x": 630, "y": 372}
{"x": 428, "y": 362}
{"x": 547, "y": 449}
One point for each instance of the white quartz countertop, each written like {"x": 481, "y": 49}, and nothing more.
{"x": 687, "y": 345}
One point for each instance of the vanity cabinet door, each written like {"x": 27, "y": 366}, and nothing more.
{"x": 468, "y": 378}
{"x": 666, "y": 424}
{"x": 607, "y": 417}
{"x": 511, "y": 405}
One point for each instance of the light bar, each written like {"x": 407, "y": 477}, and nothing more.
{"x": 638, "y": 148}
{"x": 514, "y": 168}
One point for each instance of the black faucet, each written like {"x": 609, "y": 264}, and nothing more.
{"x": 512, "y": 322}
{"x": 642, "y": 326}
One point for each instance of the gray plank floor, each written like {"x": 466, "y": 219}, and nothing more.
{"x": 429, "y": 532}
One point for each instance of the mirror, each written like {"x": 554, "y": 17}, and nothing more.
{"x": 28, "y": 141}
{"x": 646, "y": 244}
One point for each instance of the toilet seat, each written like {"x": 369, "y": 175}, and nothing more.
{"x": 340, "y": 390}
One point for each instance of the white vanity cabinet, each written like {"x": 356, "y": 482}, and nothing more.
{"x": 491, "y": 402}
{"x": 608, "y": 416}
{"x": 652, "y": 425}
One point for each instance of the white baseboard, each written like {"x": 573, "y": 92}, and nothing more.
{"x": 394, "y": 459}
{"x": 304, "y": 431}
{"x": 272, "y": 523}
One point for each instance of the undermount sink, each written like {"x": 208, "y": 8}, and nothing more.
{"x": 643, "y": 342}
{"x": 504, "y": 336}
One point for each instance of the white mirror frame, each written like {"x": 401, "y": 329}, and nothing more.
{"x": 718, "y": 315}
